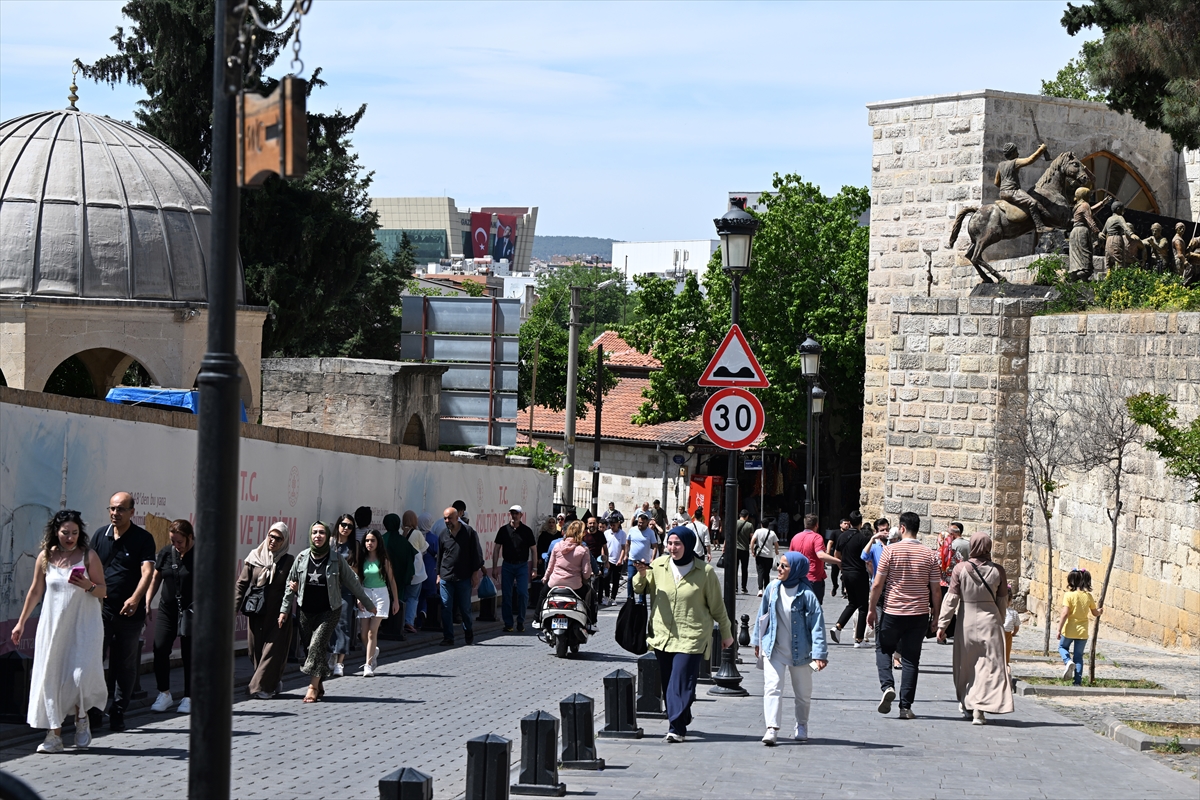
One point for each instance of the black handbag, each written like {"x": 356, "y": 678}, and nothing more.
{"x": 252, "y": 603}
{"x": 721, "y": 561}
{"x": 631, "y": 626}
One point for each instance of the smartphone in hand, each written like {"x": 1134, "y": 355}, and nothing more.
{"x": 78, "y": 573}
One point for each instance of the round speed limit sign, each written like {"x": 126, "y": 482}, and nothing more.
{"x": 733, "y": 418}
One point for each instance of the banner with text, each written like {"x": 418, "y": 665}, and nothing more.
{"x": 51, "y": 460}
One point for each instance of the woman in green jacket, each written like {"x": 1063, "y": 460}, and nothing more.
{"x": 686, "y": 597}
{"x": 316, "y": 581}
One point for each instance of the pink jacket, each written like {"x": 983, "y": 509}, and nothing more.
{"x": 569, "y": 566}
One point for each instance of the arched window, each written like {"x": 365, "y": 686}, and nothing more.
{"x": 414, "y": 433}
{"x": 1114, "y": 177}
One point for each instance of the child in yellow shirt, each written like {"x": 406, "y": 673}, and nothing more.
{"x": 1073, "y": 623}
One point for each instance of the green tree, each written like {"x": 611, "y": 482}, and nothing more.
{"x": 548, "y": 327}
{"x": 308, "y": 246}
{"x": 808, "y": 277}
{"x": 1179, "y": 445}
{"x": 1148, "y": 62}
{"x": 1072, "y": 82}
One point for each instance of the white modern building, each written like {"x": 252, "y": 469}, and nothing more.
{"x": 664, "y": 259}
{"x": 441, "y": 231}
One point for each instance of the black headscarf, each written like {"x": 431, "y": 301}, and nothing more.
{"x": 688, "y": 537}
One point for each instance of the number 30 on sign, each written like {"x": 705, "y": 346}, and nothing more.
{"x": 733, "y": 418}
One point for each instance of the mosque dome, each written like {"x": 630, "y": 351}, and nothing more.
{"x": 93, "y": 208}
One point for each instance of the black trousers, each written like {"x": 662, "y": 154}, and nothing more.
{"x": 743, "y": 561}
{"x": 121, "y": 636}
{"x": 857, "y": 588}
{"x": 834, "y": 571}
{"x": 764, "y": 564}
{"x": 166, "y": 628}
{"x": 614, "y": 579}
{"x": 902, "y": 635}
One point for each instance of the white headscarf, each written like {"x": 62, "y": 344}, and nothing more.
{"x": 263, "y": 557}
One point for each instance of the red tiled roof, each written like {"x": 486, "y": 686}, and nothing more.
{"x": 619, "y": 353}
{"x": 617, "y": 411}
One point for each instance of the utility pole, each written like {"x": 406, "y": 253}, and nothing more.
{"x": 572, "y": 402}
{"x": 596, "y": 435}
{"x": 211, "y": 720}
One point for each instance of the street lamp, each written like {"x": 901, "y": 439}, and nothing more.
{"x": 810, "y": 368}
{"x": 736, "y": 229}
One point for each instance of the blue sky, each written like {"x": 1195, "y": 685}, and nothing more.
{"x": 623, "y": 120}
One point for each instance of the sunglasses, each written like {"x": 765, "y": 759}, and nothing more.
{"x": 275, "y": 537}
{"x": 345, "y": 525}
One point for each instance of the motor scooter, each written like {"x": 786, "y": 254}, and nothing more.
{"x": 564, "y": 620}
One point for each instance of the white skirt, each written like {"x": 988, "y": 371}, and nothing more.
{"x": 380, "y": 598}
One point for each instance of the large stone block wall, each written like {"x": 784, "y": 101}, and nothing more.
{"x": 363, "y": 398}
{"x": 1155, "y": 590}
{"x": 953, "y": 364}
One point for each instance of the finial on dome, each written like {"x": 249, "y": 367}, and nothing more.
{"x": 72, "y": 96}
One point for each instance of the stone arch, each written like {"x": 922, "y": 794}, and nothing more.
{"x": 245, "y": 390}
{"x": 108, "y": 356}
{"x": 414, "y": 432}
{"x": 105, "y": 368}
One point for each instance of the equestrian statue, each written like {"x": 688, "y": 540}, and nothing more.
{"x": 1047, "y": 206}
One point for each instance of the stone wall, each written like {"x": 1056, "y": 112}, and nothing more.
{"x": 1155, "y": 590}
{"x": 953, "y": 364}
{"x": 629, "y": 475}
{"x": 388, "y": 401}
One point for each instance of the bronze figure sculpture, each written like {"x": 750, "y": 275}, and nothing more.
{"x": 1054, "y": 194}
{"x": 1122, "y": 247}
{"x": 1084, "y": 234}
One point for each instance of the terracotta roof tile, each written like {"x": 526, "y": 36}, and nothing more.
{"x": 618, "y": 409}
{"x": 619, "y": 353}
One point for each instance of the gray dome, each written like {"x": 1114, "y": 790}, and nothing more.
{"x": 91, "y": 207}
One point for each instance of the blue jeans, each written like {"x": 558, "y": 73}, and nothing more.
{"x": 1064, "y": 652}
{"x": 514, "y": 583}
{"x": 630, "y": 571}
{"x": 412, "y": 600}
{"x": 456, "y": 594}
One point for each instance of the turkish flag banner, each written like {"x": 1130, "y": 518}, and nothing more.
{"x": 506, "y": 237}
{"x": 481, "y": 233}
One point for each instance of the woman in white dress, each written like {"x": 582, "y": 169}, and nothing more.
{"x": 68, "y": 663}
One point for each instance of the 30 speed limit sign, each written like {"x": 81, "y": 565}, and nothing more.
{"x": 733, "y": 418}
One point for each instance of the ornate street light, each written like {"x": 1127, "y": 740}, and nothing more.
{"x": 736, "y": 229}
{"x": 818, "y": 400}
{"x": 810, "y": 358}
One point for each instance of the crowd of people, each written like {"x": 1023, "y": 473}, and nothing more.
{"x": 96, "y": 593}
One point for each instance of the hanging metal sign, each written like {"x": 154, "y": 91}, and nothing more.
{"x": 273, "y": 133}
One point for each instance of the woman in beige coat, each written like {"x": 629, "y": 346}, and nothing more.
{"x": 978, "y": 594}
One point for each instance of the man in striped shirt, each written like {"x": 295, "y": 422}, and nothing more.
{"x": 908, "y": 580}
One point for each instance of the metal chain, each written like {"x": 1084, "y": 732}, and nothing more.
{"x": 247, "y": 44}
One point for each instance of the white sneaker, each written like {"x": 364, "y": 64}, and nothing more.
{"x": 859, "y": 645}
{"x": 835, "y": 635}
{"x": 339, "y": 670}
{"x": 979, "y": 719}
{"x": 368, "y": 671}
{"x": 163, "y": 702}
{"x": 800, "y": 733}
{"x": 185, "y": 706}
{"x": 769, "y": 738}
{"x": 1069, "y": 671}
{"x": 672, "y": 738}
{"x": 53, "y": 744}
{"x": 83, "y": 732}
{"x": 885, "y": 703}
{"x": 262, "y": 695}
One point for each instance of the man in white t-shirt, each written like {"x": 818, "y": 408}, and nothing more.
{"x": 616, "y": 538}
{"x": 703, "y": 545}
{"x": 764, "y": 547}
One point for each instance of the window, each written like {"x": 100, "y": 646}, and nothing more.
{"x": 1115, "y": 178}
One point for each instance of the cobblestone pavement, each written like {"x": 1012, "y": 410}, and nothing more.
{"x": 426, "y": 703}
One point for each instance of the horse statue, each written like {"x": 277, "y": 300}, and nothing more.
{"x": 1055, "y": 190}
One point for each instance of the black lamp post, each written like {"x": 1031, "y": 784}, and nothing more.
{"x": 736, "y": 229}
{"x": 810, "y": 368}
{"x": 816, "y": 399}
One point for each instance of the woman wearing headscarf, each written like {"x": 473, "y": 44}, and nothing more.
{"x": 316, "y": 581}
{"x": 345, "y": 544}
{"x": 789, "y": 640}
{"x": 686, "y": 597}
{"x": 978, "y": 594}
{"x": 260, "y": 590}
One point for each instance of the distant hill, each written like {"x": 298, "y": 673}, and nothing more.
{"x": 545, "y": 247}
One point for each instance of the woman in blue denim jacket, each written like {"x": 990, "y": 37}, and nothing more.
{"x": 789, "y": 641}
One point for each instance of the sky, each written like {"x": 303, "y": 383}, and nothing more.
{"x": 625, "y": 120}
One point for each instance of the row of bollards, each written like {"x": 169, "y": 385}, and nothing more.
{"x": 489, "y": 757}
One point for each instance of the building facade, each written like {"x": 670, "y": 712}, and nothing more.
{"x": 441, "y": 231}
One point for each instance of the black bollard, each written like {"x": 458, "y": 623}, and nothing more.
{"x": 744, "y": 632}
{"x": 406, "y": 783}
{"x": 706, "y": 671}
{"x": 539, "y": 762}
{"x": 579, "y": 733}
{"x": 487, "y": 609}
{"x": 620, "y": 718}
{"x": 489, "y": 758}
{"x": 649, "y": 685}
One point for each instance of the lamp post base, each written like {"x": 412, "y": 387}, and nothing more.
{"x": 728, "y": 680}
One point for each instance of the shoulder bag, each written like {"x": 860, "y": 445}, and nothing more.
{"x": 252, "y": 602}
{"x": 631, "y": 626}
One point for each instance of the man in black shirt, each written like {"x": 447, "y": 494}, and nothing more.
{"x": 127, "y": 552}
{"x": 460, "y": 565}
{"x": 514, "y": 541}
{"x": 856, "y": 583}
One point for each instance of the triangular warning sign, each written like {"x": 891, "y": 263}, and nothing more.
{"x": 734, "y": 364}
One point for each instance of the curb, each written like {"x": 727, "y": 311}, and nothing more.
{"x": 1026, "y": 690}
{"x": 1136, "y": 740}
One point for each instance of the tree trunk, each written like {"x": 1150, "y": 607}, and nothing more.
{"x": 1049, "y": 582}
{"x": 1114, "y": 516}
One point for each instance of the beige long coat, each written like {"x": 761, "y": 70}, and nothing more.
{"x": 980, "y": 675}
